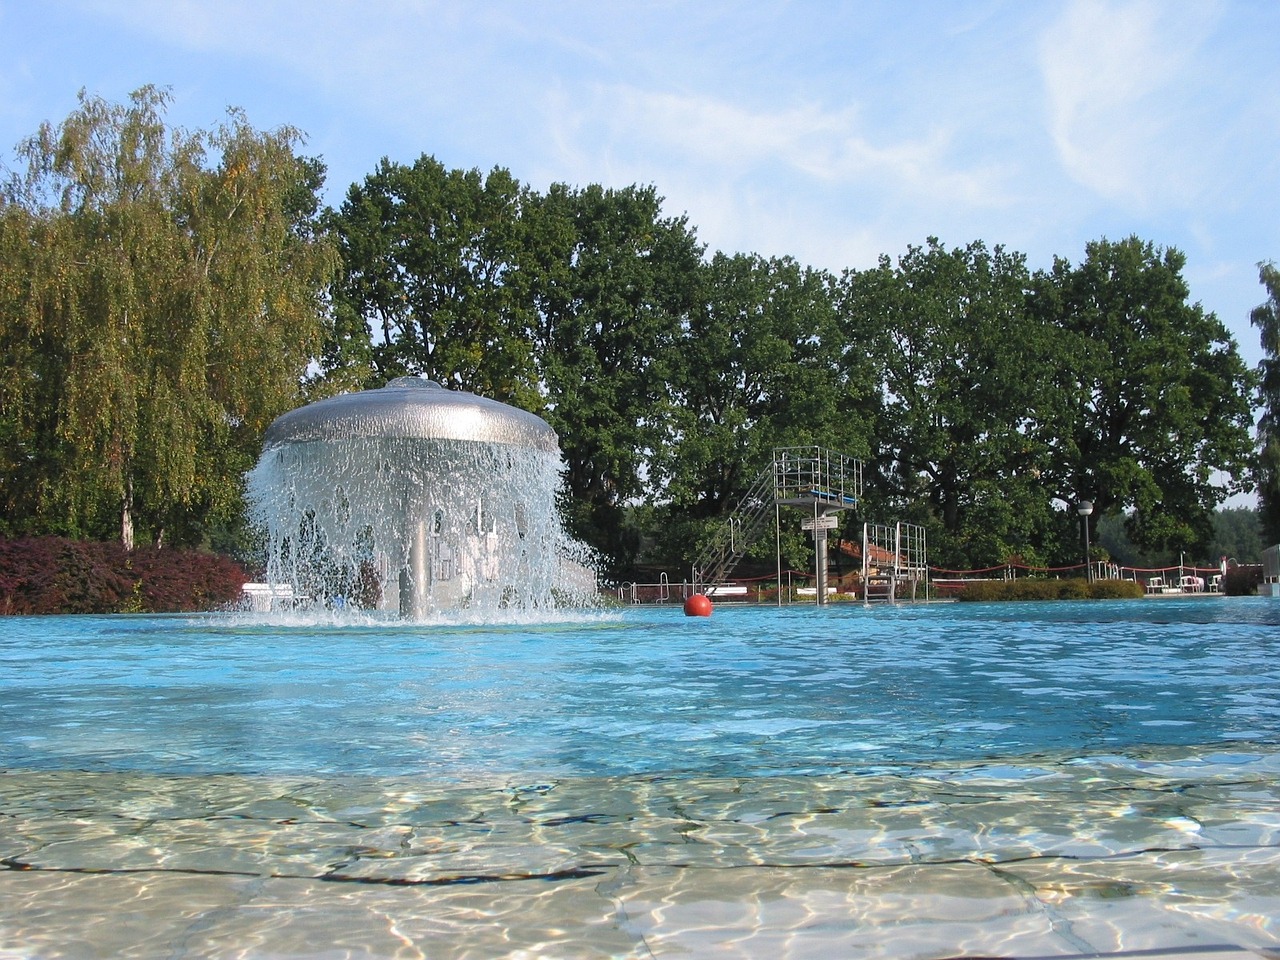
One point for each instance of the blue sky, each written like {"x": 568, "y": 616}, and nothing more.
{"x": 830, "y": 131}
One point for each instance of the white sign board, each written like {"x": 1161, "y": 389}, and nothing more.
{"x": 825, "y": 522}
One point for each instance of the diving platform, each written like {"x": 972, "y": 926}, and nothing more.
{"x": 816, "y": 478}
{"x": 821, "y": 482}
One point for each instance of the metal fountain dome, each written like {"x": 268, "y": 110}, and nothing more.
{"x": 415, "y": 497}
{"x": 411, "y": 407}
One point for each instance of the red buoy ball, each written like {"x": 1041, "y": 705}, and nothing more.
{"x": 697, "y": 605}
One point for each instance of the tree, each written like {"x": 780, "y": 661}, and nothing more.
{"x": 1266, "y": 317}
{"x": 434, "y": 282}
{"x": 157, "y": 312}
{"x": 616, "y": 282}
{"x": 1237, "y": 535}
{"x": 754, "y": 369}
{"x": 1150, "y": 399}
{"x": 960, "y": 373}
{"x": 564, "y": 304}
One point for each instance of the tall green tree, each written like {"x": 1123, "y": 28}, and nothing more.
{"x": 434, "y": 282}
{"x": 960, "y": 374}
{"x": 165, "y": 295}
{"x": 616, "y": 284}
{"x": 754, "y": 369}
{"x": 1151, "y": 396}
{"x": 565, "y": 304}
{"x": 1266, "y": 317}
{"x": 1237, "y": 535}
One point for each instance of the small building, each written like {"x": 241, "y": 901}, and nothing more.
{"x": 1270, "y": 586}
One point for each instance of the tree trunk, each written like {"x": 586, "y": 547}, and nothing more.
{"x": 126, "y": 516}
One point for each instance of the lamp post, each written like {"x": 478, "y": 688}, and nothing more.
{"x": 1084, "y": 509}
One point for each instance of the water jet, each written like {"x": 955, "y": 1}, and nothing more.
{"x": 413, "y": 498}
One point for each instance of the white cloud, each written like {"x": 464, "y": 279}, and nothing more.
{"x": 1118, "y": 76}
{"x": 804, "y": 145}
{"x": 830, "y": 132}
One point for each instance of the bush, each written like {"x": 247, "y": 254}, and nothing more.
{"x": 1073, "y": 590}
{"x": 1032, "y": 589}
{"x": 1243, "y": 580}
{"x": 1117, "y": 590}
{"x": 40, "y": 575}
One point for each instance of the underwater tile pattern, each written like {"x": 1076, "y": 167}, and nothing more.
{"x": 1176, "y": 854}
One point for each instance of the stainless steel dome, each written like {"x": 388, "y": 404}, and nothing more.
{"x": 414, "y": 408}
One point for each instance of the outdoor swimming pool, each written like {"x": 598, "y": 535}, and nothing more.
{"x": 922, "y": 780}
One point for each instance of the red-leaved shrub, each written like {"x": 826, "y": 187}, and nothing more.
{"x": 56, "y": 575}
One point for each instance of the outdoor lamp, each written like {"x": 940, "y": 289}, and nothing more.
{"x": 1084, "y": 509}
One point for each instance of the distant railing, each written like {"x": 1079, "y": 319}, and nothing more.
{"x": 797, "y": 586}
{"x": 745, "y": 590}
{"x": 1175, "y": 579}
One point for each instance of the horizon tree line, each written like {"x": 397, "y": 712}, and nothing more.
{"x": 165, "y": 294}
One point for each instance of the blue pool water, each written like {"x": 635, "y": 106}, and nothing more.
{"x": 925, "y": 782}
{"x": 752, "y": 691}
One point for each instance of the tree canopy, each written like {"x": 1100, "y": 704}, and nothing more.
{"x": 618, "y": 286}
{"x": 754, "y": 368}
{"x": 1266, "y": 317}
{"x": 961, "y": 363}
{"x": 433, "y": 263}
{"x": 161, "y": 295}
{"x": 165, "y": 293}
{"x": 1151, "y": 395}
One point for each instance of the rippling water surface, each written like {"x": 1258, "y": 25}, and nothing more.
{"x": 1068, "y": 779}
{"x": 750, "y": 691}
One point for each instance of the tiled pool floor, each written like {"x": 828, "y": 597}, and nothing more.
{"x": 1061, "y": 859}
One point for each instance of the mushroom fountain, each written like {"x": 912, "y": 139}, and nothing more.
{"x": 415, "y": 498}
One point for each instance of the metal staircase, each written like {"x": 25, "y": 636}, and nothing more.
{"x": 739, "y": 531}
{"x": 815, "y": 479}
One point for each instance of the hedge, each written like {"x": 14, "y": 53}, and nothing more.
{"x": 1032, "y": 589}
{"x": 42, "y": 575}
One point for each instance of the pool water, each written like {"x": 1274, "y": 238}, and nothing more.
{"x": 919, "y": 781}
{"x": 754, "y": 691}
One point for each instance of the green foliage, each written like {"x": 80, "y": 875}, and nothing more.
{"x": 160, "y": 299}
{"x": 1266, "y": 317}
{"x": 1036, "y": 589}
{"x": 1116, "y": 590}
{"x": 1150, "y": 397}
{"x": 618, "y": 285}
{"x": 945, "y": 339}
{"x": 754, "y": 369}
{"x": 164, "y": 294}
{"x": 567, "y": 304}
{"x": 1236, "y": 535}
{"x": 436, "y": 266}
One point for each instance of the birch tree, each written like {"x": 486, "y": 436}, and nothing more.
{"x": 163, "y": 300}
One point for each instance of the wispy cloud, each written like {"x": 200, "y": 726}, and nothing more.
{"x": 826, "y": 149}
{"x": 831, "y": 132}
{"x": 1117, "y": 78}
